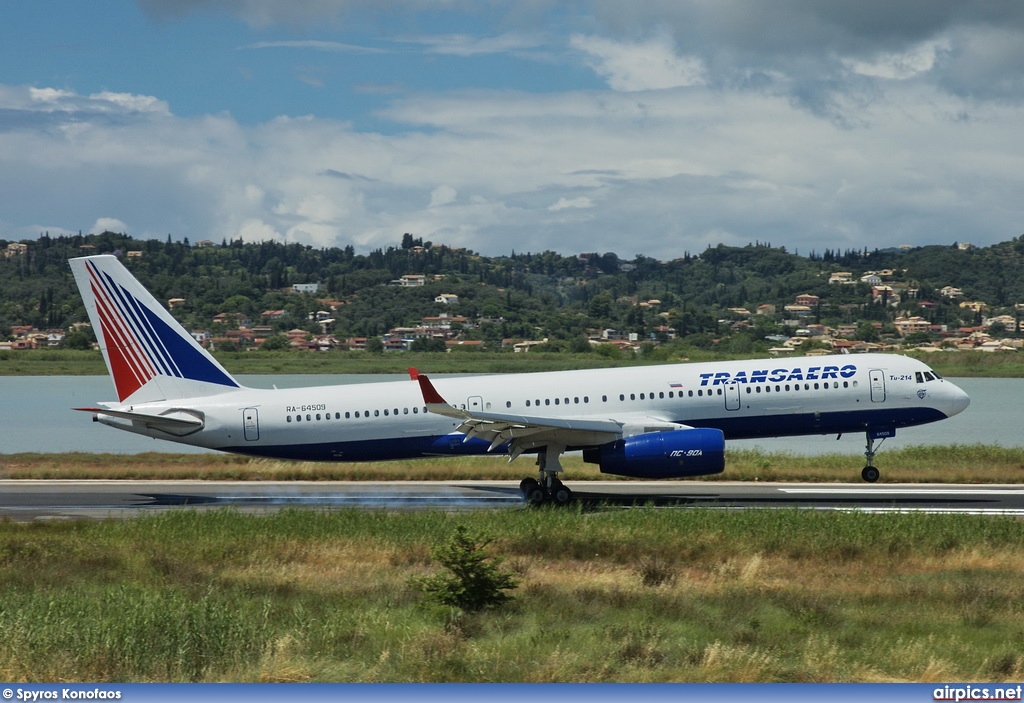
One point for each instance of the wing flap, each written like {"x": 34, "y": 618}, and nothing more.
{"x": 519, "y": 431}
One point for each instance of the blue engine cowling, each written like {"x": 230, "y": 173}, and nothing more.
{"x": 671, "y": 454}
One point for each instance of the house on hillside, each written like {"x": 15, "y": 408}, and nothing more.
{"x": 410, "y": 280}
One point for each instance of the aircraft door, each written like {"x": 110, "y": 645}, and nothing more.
{"x": 732, "y": 396}
{"x": 474, "y": 403}
{"x": 877, "y": 379}
{"x": 251, "y": 424}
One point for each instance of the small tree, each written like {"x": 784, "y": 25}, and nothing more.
{"x": 474, "y": 580}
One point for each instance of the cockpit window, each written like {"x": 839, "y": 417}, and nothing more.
{"x": 925, "y": 376}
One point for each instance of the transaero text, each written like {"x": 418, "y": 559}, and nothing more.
{"x": 810, "y": 373}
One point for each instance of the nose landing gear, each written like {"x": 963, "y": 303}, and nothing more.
{"x": 870, "y": 473}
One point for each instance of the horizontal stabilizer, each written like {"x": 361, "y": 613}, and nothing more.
{"x": 175, "y": 424}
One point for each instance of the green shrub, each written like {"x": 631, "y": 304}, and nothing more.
{"x": 474, "y": 581}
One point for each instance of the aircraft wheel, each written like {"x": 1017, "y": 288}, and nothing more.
{"x": 526, "y": 484}
{"x": 536, "y": 496}
{"x": 869, "y": 474}
{"x": 561, "y": 494}
{"x": 532, "y": 491}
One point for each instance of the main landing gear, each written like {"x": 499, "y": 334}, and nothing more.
{"x": 546, "y": 488}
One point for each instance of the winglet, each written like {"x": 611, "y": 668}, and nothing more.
{"x": 413, "y": 373}
{"x": 430, "y": 394}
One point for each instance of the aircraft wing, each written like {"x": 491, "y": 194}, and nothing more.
{"x": 521, "y": 432}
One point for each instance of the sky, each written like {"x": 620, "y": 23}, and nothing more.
{"x": 655, "y": 128}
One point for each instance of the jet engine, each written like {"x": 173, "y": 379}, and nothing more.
{"x": 672, "y": 454}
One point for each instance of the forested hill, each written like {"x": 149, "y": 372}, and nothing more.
{"x": 523, "y": 295}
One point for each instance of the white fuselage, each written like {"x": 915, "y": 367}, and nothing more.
{"x": 759, "y": 398}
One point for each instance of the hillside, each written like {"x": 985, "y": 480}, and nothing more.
{"x": 425, "y": 296}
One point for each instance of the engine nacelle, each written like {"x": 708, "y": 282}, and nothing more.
{"x": 672, "y": 454}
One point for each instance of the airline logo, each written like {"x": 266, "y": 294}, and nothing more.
{"x": 140, "y": 345}
{"x": 809, "y": 373}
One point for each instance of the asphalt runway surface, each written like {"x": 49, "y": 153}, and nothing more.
{"x": 27, "y": 500}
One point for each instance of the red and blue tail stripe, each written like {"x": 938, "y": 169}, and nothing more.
{"x": 140, "y": 345}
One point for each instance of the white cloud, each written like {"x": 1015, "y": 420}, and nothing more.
{"x": 53, "y": 99}
{"x": 316, "y": 45}
{"x": 467, "y": 45}
{"x": 256, "y": 231}
{"x": 109, "y": 224}
{"x": 658, "y": 174}
{"x": 442, "y": 195}
{"x": 901, "y": 65}
{"x": 581, "y": 203}
{"x": 635, "y": 66}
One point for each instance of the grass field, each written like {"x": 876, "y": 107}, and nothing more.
{"x": 960, "y": 463}
{"x": 643, "y": 594}
{"x": 624, "y": 595}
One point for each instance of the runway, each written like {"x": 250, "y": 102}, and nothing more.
{"x": 28, "y": 500}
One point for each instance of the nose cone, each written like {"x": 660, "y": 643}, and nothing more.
{"x": 958, "y": 400}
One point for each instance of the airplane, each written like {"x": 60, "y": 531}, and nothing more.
{"x": 653, "y": 422}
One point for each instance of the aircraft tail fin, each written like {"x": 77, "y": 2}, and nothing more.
{"x": 149, "y": 355}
